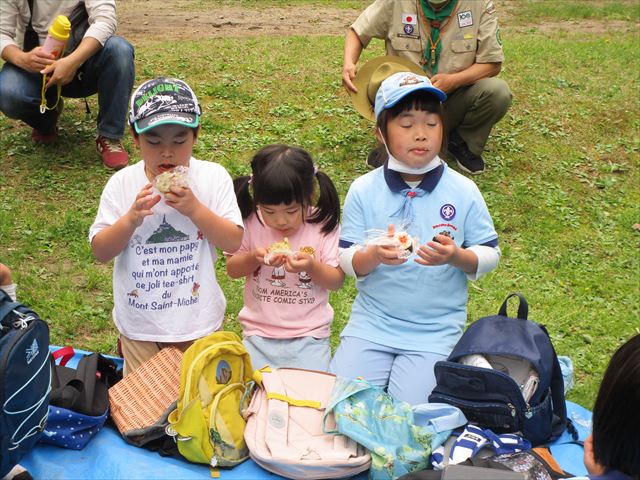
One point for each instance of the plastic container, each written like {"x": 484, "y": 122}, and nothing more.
{"x": 58, "y": 35}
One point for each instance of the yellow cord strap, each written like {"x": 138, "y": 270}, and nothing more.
{"x": 293, "y": 401}
{"x": 43, "y": 99}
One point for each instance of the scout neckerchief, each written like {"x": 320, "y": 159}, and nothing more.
{"x": 431, "y": 53}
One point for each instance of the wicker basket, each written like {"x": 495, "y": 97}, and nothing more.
{"x": 140, "y": 399}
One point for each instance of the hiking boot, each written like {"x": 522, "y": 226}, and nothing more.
{"x": 51, "y": 137}
{"x": 467, "y": 160}
{"x": 112, "y": 152}
{"x": 377, "y": 157}
{"x": 44, "y": 138}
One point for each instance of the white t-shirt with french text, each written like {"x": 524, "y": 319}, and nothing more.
{"x": 164, "y": 283}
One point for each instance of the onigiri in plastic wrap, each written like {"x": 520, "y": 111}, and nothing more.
{"x": 176, "y": 177}
{"x": 402, "y": 240}
{"x": 278, "y": 248}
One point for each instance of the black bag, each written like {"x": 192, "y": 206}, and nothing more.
{"x": 25, "y": 380}
{"x": 491, "y": 398}
{"x": 79, "y": 399}
{"x": 84, "y": 389}
{"x": 31, "y": 39}
{"x": 79, "y": 19}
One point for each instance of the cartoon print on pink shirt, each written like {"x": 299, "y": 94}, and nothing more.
{"x": 305, "y": 280}
{"x": 277, "y": 277}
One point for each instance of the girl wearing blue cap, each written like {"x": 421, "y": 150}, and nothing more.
{"x": 410, "y": 312}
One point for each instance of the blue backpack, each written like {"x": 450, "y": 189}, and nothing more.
{"x": 491, "y": 395}
{"x": 25, "y": 380}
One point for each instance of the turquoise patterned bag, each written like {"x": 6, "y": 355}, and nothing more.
{"x": 399, "y": 437}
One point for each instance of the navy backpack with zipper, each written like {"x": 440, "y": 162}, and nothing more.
{"x": 489, "y": 395}
{"x": 25, "y": 380}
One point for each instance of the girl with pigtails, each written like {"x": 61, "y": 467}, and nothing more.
{"x": 289, "y": 256}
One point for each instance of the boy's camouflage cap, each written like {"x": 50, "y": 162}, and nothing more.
{"x": 163, "y": 101}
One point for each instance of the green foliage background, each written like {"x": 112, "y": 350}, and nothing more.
{"x": 562, "y": 179}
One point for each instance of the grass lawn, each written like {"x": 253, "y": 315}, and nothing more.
{"x": 562, "y": 180}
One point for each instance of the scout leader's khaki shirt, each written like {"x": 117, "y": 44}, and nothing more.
{"x": 469, "y": 36}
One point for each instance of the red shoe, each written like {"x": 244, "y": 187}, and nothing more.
{"x": 44, "y": 138}
{"x": 112, "y": 152}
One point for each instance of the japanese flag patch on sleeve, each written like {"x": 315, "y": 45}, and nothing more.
{"x": 409, "y": 19}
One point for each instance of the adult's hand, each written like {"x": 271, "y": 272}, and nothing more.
{"x": 352, "y": 50}
{"x": 35, "y": 60}
{"x": 61, "y": 72}
{"x": 449, "y": 82}
{"x": 348, "y": 74}
{"x": 445, "y": 81}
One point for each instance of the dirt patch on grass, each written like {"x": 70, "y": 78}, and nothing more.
{"x": 140, "y": 20}
{"x": 181, "y": 20}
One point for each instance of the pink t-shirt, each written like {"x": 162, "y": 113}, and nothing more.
{"x": 279, "y": 304}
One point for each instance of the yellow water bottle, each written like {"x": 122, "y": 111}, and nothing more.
{"x": 58, "y": 35}
{"x": 54, "y": 44}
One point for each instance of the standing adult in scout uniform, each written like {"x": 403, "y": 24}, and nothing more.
{"x": 457, "y": 44}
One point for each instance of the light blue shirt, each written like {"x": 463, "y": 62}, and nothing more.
{"x": 411, "y": 306}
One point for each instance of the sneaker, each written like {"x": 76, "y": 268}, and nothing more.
{"x": 377, "y": 157}
{"x": 467, "y": 160}
{"x": 112, "y": 152}
{"x": 44, "y": 138}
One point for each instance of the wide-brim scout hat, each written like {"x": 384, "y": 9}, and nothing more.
{"x": 371, "y": 75}
{"x": 163, "y": 101}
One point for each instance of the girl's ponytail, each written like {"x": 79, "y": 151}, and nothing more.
{"x": 328, "y": 205}
{"x": 243, "y": 195}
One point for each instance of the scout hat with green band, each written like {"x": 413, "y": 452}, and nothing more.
{"x": 371, "y": 75}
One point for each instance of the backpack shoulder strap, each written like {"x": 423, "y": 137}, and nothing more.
{"x": 31, "y": 39}
{"x": 559, "y": 422}
{"x": 277, "y": 421}
{"x": 30, "y": 3}
{"x": 7, "y": 307}
{"x": 557, "y": 397}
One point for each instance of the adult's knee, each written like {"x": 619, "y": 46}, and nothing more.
{"x": 118, "y": 53}
{"x": 14, "y": 90}
{"x": 498, "y": 94}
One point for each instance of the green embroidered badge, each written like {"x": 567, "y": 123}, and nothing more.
{"x": 498, "y": 38}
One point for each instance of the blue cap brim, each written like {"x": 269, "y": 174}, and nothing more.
{"x": 440, "y": 95}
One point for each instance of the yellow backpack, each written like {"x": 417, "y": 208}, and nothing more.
{"x": 214, "y": 388}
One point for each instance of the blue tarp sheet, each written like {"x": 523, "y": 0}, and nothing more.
{"x": 108, "y": 456}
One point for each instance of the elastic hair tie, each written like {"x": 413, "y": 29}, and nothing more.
{"x": 315, "y": 170}
{"x": 250, "y": 179}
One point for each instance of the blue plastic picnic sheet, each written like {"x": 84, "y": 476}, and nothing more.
{"x": 108, "y": 456}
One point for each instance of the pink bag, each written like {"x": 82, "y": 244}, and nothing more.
{"x": 284, "y": 427}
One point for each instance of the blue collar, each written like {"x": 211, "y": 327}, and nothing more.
{"x": 396, "y": 184}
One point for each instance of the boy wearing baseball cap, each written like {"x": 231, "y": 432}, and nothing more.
{"x": 164, "y": 238}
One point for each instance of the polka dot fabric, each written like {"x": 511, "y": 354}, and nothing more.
{"x": 69, "y": 429}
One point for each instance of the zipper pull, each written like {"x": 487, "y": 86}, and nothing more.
{"x": 513, "y": 409}
{"x": 528, "y": 413}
